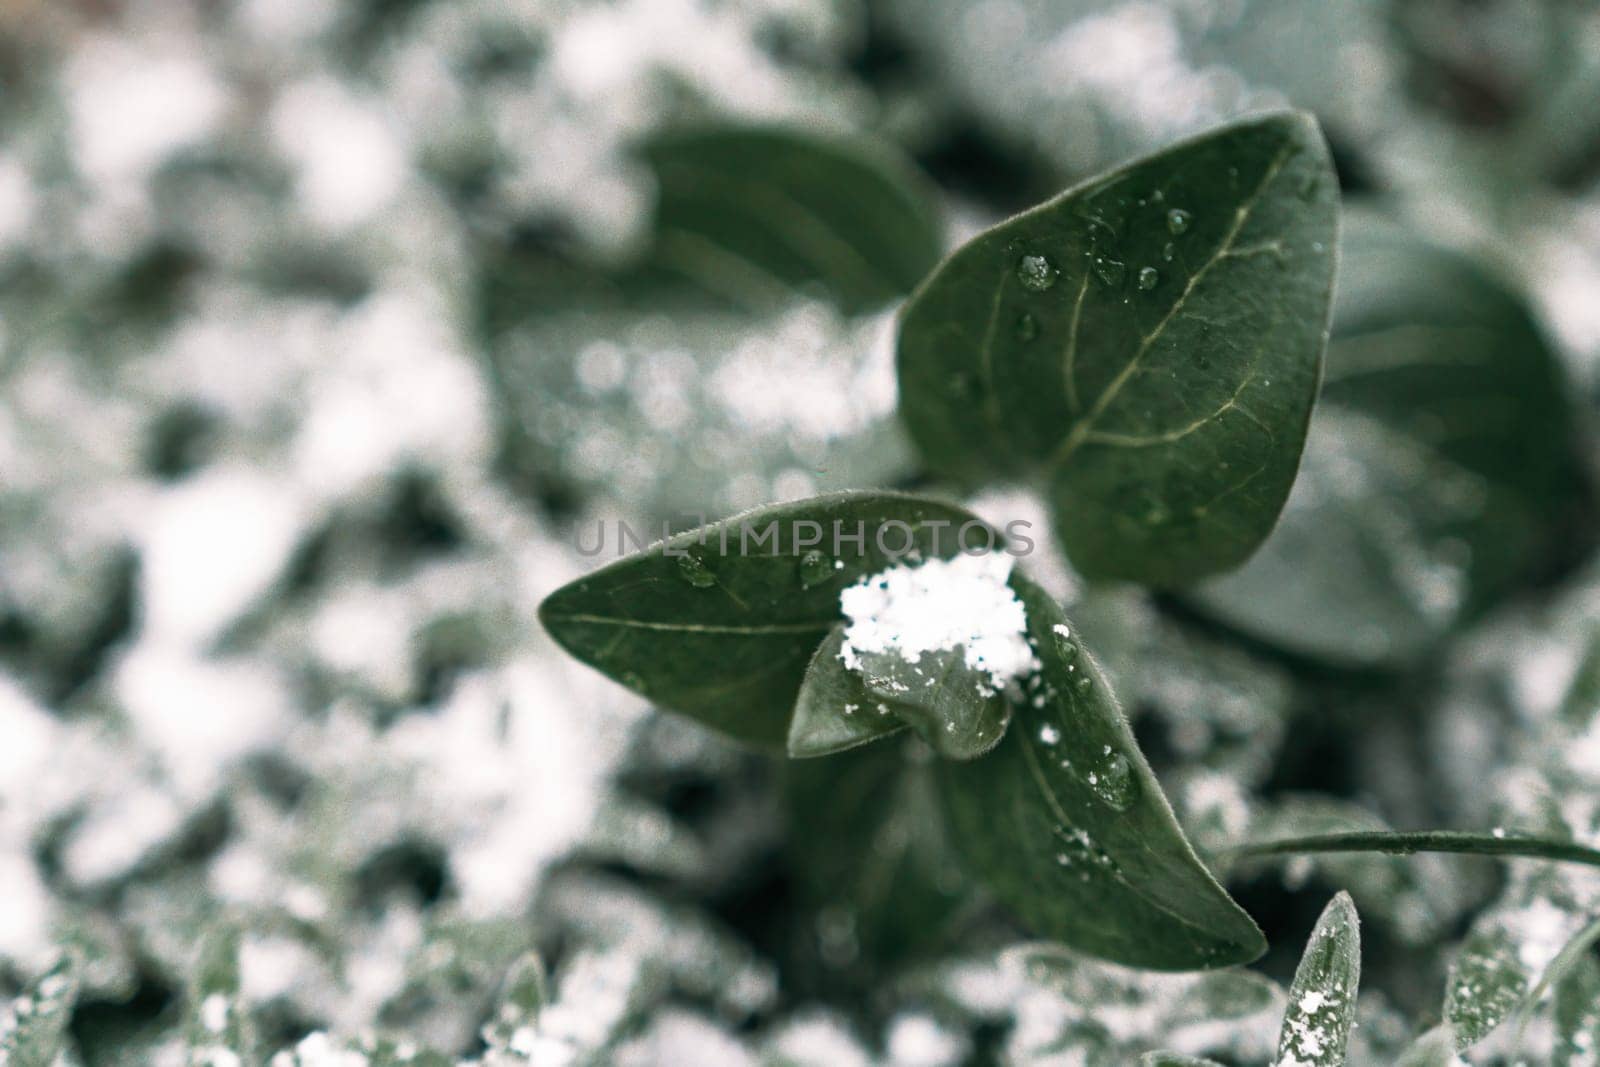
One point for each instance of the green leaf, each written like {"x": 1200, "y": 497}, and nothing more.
{"x": 1067, "y": 826}
{"x": 1578, "y": 1016}
{"x": 871, "y": 864}
{"x": 1441, "y": 463}
{"x": 941, "y": 697}
{"x": 721, "y": 623}
{"x": 32, "y": 1028}
{"x": 1322, "y": 998}
{"x": 1486, "y": 983}
{"x": 753, "y": 213}
{"x": 835, "y": 711}
{"x": 1174, "y": 1059}
{"x": 1149, "y": 344}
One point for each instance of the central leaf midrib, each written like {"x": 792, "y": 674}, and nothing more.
{"x": 734, "y": 629}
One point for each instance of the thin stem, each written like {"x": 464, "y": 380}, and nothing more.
{"x": 1405, "y": 844}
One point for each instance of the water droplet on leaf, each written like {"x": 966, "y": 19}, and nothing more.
{"x": 1036, "y": 273}
{"x": 815, "y": 568}
{"x": 1113, "y": 782}
{"x": 1148, "y": 277}
{"x": 695, "y": 572}
{"x": 1178, "y": 221}
{"x": 1027, "y": 327}
{"x": 1108, "y": 270}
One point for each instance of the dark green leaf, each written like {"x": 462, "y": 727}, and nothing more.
{"x": 1150, "y": 343}
{"x": 1067, "y": 826}
{"x": 834, "y": 710}
{"x": 944, "y": 700}
{"x": 720, "y": 623}
{"x": 750, "y": 214}
{"x": 1322, "y": 998}
{"x": 871, "y": 863}
{"x": 1441, "y": 463}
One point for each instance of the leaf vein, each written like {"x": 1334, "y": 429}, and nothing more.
{"x": 694, "y": 627}
{"x": 1080, "y": 432}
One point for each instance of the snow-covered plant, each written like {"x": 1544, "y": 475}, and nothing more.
{"x": 1144, "y": 350}
{"x": 1126, "y": 559}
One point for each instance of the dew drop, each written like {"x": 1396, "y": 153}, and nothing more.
{"x": 1064, "y": 643}
{"x": 1178, "y": 221}
{"x": 1113, "y": 782}
{"x": 1168, "y": 251}
{"x": 1027, "y": 327}
{"x": 1109, "y": 271}
{"x": 1148, "y": 277}
{"x": 815, "y": 568}
{"x": 695, "y": 572}
{"x": 1036, "y": 273}
{"x": 1049, "y": 735}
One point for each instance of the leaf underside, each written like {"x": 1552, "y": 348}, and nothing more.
{"x": 835, "y": 711}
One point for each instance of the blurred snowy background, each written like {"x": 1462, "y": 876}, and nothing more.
{"x": 321, "y": 340}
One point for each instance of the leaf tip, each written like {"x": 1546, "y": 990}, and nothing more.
{"x": 1341, "y": 910}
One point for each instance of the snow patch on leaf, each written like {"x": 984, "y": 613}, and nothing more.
{"x": 939, "y": 606}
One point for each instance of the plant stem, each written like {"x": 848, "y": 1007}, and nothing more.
{"x": 1405, "y": 844}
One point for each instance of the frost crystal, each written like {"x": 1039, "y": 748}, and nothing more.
{"x": 937, "y": 606}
